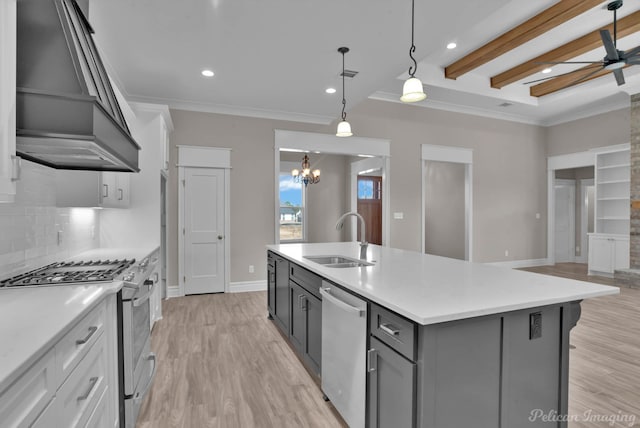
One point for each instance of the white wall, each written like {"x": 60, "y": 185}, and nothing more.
{"x": 29, "y": 226}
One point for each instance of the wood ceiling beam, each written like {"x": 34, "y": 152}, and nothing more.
{"x": 546, "y": 20}
{"x": 627, "y": 25}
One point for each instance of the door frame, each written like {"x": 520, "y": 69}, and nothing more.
{"x": 211, "y": 158}
{"x": 432, "y": 152}
{"x": 584, "y": 220}
{"x": 572, "y": 216}
{"x": 328, "y": 143}
{"x": 572, "y": 160}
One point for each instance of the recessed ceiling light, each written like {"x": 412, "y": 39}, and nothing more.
{"x": 330, "y": 90}
{"x": 547, "y": 70}
{"x": 452, "y": 45}
{"x": 207, "y": 73}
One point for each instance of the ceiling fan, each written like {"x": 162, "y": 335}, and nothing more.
{"x": 615, "y": 60}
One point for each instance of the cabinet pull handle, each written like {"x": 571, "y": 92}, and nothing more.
{"x": 105, "y": 187}
{"x": 120, "y": 194}
{"x": 387, "y": 328}
{"x": 92, "y": 330}
{"x": 303, "y": 303}
{"x": 372, "y": 360}
{"x": 92, "y": 384}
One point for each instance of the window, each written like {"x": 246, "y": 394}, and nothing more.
{"x": 369, "y": 187}
{"x": 291, "y": 209}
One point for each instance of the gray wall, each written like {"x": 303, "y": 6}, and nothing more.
{"x": 605, "y": 129}
{"x": 445, "y": 209}
{"x": 509, "y": 177}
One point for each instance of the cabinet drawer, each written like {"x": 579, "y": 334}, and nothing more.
{"x": 49, "y": 417}
{"x": 98, "y": 418}
{"x": 75, "y": 344}
{"x": 394, "y": 330}
{"x": 24, "y": 400}
{"x": 81, "y": 392}
{"x": 306, "y": 279}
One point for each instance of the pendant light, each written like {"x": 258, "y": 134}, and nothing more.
{"x": 344, "y": 128}
{"x": 412, "y": 90}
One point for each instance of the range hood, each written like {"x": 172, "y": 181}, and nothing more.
{"x": 67, "y": 113}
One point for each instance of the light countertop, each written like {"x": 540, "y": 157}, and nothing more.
{"x": 32, "y": 319}
{"x": 431, "y": 289}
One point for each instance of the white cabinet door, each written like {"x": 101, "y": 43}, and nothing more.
{"x": 601, "y": 254}
{"x": 7, "y": 99}
{"x": 621, "y": 258}
{"x": 116, "y": 190}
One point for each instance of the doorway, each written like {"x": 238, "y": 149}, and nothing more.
{"x": 322, "y": 147}
{"x": 447, "y": 201}
{"x": 370, "y": 207}
{"x": 565, "y": 213}
{"x": 203, "y": 219}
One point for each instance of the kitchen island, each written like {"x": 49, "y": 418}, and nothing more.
{"x": 450, "y": 343}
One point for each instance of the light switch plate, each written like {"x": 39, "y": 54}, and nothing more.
{"x": 535, "y": 325}
{"x": 398, "y": 216}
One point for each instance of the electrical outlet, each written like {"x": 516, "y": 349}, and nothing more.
{"x": 252, "y": 269}
{"x": 506, "y": 253}
{"x": 59, "y": 237}
{"x": 578, "y": 249}
{"x": 535, "y": 325}
{"x": 538, "y": 216}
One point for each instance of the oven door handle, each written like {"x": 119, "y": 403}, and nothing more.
{"x": 140, "y": 300}
{"x": 140, "y": 394}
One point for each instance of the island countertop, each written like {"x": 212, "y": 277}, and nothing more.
{"x": 431, "y": 289}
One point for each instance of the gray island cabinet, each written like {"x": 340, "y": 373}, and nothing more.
{"x": 450, "y": 343}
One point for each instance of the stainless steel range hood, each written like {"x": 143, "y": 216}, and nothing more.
{"x": 68, "y": 116}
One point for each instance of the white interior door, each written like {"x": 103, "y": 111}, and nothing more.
{"x": 204, "y": 249}
{"x": 565, "y": 210}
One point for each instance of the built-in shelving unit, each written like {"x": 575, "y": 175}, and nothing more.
{"x": 612, "y": 192}
{"x": 609, "y": 244}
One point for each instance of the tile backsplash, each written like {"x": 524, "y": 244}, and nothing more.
{"x": 35, "y": 232}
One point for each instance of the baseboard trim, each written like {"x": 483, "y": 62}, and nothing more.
{"x": 514, "y": 264}
{"x": 245, "y": 286}
{"x": 173, "y": 292}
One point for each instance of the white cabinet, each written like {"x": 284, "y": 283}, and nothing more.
{"x": 609, "y": 245}
{"x": 74, "y": 382}
{"x": 607, "y": 253}
{"x": 93, "y": 189}
{"x": 9, "y": 168}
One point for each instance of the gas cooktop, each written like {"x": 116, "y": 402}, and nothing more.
{"x": 70, "y": 273}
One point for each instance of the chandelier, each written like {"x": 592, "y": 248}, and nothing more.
{"x": 305, "y": 175}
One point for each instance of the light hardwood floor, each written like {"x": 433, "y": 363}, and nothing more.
{"x": 221, "y": 363}
{"x": 604, "y": 366}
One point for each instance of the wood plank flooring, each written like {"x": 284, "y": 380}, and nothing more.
{"x": 604, "y": 366}
{"x": 221, "y": 363}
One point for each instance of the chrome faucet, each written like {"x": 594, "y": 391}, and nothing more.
{"x": 363, "y": 240}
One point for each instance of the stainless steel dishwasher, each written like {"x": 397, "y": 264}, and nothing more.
{"x": 344, "y": 349}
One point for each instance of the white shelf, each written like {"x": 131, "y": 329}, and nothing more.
{"x": 614, "y": 181}
{"x": 621, "y": 165}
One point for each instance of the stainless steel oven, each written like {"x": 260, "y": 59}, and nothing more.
{"x": 138, "y": 363}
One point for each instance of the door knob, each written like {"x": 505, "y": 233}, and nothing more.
{"x": 220, "y": 237}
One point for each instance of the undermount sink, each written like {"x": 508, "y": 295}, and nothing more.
{"x": 338, "y": 261}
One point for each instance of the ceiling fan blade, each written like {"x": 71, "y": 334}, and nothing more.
{"x": 619, "y": 76}
{"x": 563, "y": 74}
{"x": 610, "y": 47}
{"x": 632, "y": 52}
{"x": 585, "y": 77}
{"x": 570, "y": 62}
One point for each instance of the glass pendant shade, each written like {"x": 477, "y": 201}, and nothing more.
{"x": 344, "y": 129}
{"x": 412, "y": 91}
